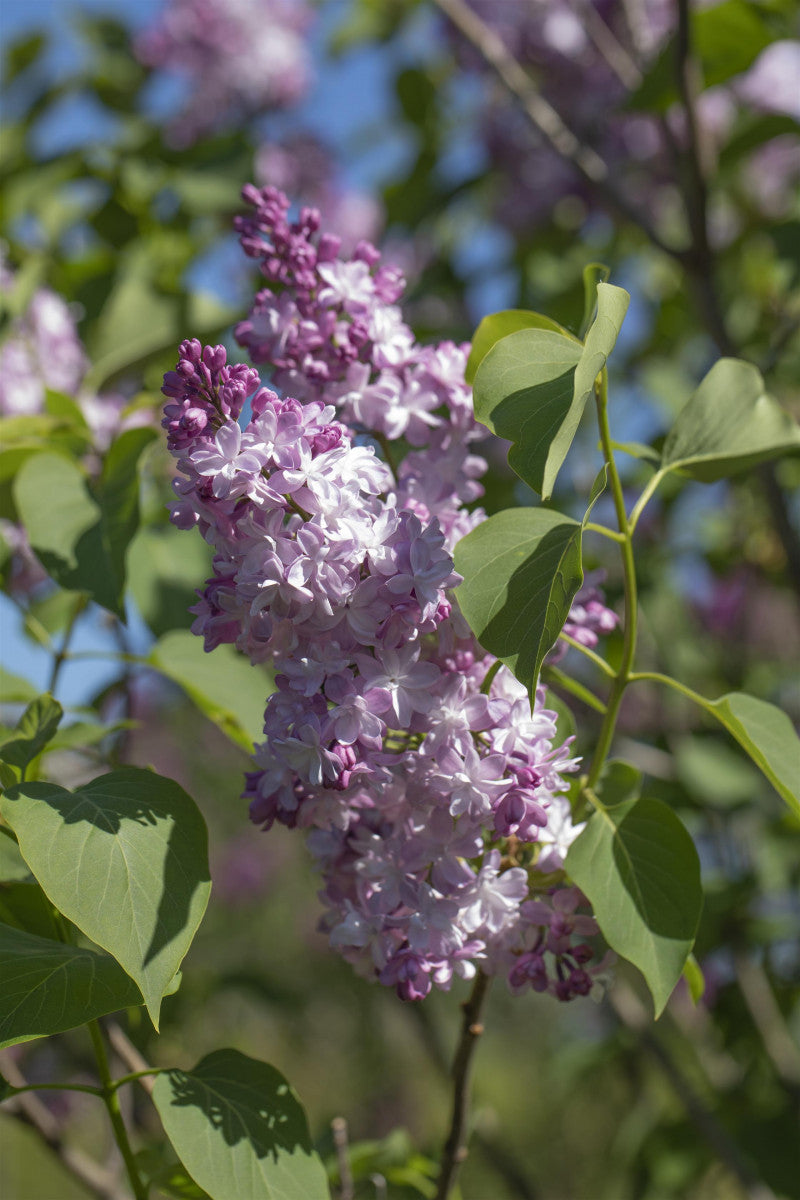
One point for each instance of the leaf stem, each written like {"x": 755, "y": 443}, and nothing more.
{"x": 641, "y": 503}
{"x": 590, "y": 527}
{"x": 455, "y": 1148}
{"x": 599, "y": 662}
{"x": 53, "y": 1087}
{"x": 621, "y": 677}
{"x": 111, "y": 1100}
{"x": 135, "y": 1075}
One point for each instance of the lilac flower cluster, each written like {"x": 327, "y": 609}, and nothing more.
{"x": 238, "y": 57}
{"x": 433, "y": 797}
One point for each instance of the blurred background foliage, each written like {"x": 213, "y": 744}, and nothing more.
{"x": 114, "y": 205}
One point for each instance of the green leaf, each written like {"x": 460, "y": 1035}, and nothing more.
{"x": 119, "y": 494}
{"x": 521, "y": 569}
{"x": 49, "y": 987}
{"x": 35, "y": 728}
{"x": 67, "y": 536}
{"x": 14, "y": 689}
{"x": 500, "y": 325}
{"x": 619, "y": 781}
{"x": 125, "y": 858}
{"x": 768, "y": 736}
{"x": 728, "y": 425}
{"x": 82, "y": 540}
{"x": 239, "y": 1130}
{"x": 223, "y": 684}
{"x": 640, "y": 871}
{"x": 65, "y": 409}
{"x": 593, "y": 274}
{"x": 532, "y": 388}
{"x": 165, "y": 564}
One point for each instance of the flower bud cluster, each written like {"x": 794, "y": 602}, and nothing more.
{"x": 432, "y": 794}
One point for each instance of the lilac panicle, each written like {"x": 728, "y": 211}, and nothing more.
{"x": 432, "y": 797}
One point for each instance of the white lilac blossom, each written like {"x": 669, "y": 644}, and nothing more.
{"x": 237, "y": 57}
{"x": 425, "y": 783}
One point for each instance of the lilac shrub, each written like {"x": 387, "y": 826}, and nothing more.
{"x": 433, "y": 797}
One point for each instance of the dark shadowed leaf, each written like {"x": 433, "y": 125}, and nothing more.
{"x": 49, "y": 987}
{"x": 125, "y": 859}
{"x": 240, "y": 1130}
{"x": 640, "y": 871}
{"x": 521, "y": 568}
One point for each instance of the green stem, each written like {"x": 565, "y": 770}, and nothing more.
{"x": 641, "y": 503}
{"x": 621, "y": 677}
{"x": 599, "y": 662}
{"x": 111, "y": 1100}
{"x": 52, "y": 1087}
{"x": 557, "y": 679}
{"x": 675, "y": 684}
{"x": 134, "y": 1075}
{"x": 590, "y": 527}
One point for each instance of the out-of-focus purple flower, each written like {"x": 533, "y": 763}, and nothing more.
{"x": 238, "y": 58}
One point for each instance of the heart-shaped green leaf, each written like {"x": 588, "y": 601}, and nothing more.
{"x": 49, "y": 987}
{"x": 728, "y": 425}
{"x": 521, "y": 569}
{"x": 239, "y": 1130}
{"x": 125, "y": 858}
{"x": 532, "y": 387}
{"x": 640, "y": 871}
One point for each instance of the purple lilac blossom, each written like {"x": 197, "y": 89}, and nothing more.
{"x": 238, "y": 58}
{"x": 427, "y": 791}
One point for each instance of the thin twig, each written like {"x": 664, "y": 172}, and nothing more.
{"x": 339, "y": 1130}
{"x": 455, "y": 1148}
{"x": 633, "y": 1015}
{"x": 29, "y": 1109}
{"x": 549, "y": 123}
